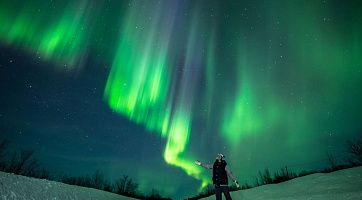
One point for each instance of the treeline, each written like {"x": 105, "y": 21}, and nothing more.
{"x": 125, "y": 186}
{"x": 352, "y": 159}
{"x": 24, "y": 163}
{"x": 20, "y": 162}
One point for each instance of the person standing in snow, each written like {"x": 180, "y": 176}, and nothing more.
{"x": 220, "y": 173}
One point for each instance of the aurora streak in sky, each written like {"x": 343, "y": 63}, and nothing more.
{"x": 210, "y": 76}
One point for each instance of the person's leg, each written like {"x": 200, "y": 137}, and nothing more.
{"x": 218, "y": 192}
{"x": 225, "y": 190}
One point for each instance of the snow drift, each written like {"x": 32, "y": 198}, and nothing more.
{"x": 339, "y": 185}
{"x": 16, "y": 187}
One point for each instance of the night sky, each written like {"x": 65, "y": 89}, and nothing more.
{"x": 144, "y": 88}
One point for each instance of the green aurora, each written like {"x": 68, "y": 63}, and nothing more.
{"x": 209, "y": 75}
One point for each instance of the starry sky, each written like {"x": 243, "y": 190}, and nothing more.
{"x": 144, "y": 88}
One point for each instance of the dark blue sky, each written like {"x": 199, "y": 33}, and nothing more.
{"x": 268, "y": 84}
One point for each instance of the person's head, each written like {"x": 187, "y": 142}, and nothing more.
{"x": 219, "y": 157}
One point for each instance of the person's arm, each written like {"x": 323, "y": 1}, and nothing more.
{"x": 206, "y": 166}
{"x": 230, "y": 174}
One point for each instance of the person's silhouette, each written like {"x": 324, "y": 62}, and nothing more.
{"x": 220, "y": 173}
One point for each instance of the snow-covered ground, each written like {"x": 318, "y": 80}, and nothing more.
{"x": 339, "y": 185}
{"x": 15, "y": 187}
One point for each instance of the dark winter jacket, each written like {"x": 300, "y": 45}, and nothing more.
{"x": 221, "y": 171}
{"x": 219, "y": 175}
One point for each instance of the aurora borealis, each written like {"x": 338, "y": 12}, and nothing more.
{"x": 144, "y": 88}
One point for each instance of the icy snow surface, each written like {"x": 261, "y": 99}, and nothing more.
{"x": 15, "y": 187}
{"x": 339, "y": 185}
